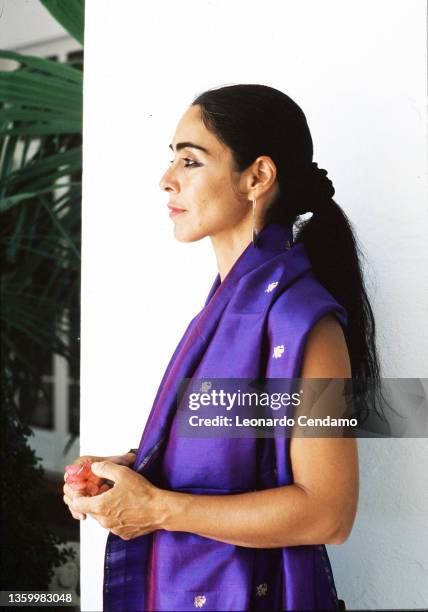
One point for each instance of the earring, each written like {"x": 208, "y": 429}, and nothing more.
{"x": 254, "y": 232}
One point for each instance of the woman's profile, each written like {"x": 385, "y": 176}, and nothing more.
{"x": 221, "y": 523}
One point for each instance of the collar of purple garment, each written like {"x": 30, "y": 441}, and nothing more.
{"x": 273, "y": 239}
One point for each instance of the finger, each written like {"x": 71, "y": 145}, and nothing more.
{"x": 104, "y": 488}
{"x": 85, "y": 504}
{"x": 75, "y": 515}
{"x": 72, "y": 493}
{"x": 107, "y": 469}
{"x": 68, "y": 490}
{"x": 78, "y": 486}
{"x": 79, "y": 516}
{"x": 68, "y": 501}
{"x": 120, "y": 459}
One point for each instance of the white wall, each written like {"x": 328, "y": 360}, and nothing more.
{"x": 358, "y": 69}
{"x": 26, "y": 22}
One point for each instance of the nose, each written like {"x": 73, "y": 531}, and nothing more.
{"x": 167, "y": 183}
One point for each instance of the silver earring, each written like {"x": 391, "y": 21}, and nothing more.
{"x": 254, "y": 232}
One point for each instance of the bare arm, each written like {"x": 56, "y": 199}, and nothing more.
{"x": 318, "y": 508}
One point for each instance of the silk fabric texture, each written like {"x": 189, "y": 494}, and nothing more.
{"x": 270, "y": 298}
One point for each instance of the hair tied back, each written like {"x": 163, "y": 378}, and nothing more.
{"x": 321, "y": 187}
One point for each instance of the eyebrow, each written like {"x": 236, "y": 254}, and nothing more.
{"x": 189, "y": 145}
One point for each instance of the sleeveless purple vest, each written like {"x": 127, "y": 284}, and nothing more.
{"x": 270, "y": 298}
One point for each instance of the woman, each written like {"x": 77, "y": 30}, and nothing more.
{"x": 240, "y": 524}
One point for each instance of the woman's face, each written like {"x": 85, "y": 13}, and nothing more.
{"x": 203, "y": 184}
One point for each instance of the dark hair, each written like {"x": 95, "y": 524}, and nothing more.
{"x": 254, "y": 120}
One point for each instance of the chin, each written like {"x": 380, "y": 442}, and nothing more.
{"x": 188, "y": 235}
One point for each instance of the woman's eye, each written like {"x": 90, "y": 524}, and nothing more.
{"x": 190, "y": 162}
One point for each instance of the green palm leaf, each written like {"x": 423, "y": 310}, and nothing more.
{"x": 69, "y": 14}
{"x": 40, "y": 152}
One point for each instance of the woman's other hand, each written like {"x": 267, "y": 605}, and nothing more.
{"x": 79, "y": 477}
{"x": 131, "y": 508}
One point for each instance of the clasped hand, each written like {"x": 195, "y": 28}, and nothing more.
{"x": 121, "y": 500}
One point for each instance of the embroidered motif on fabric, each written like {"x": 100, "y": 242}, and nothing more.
{"x": 199, "y": 601}
{"x": 271, "y": 287}
{"x": 261, "y": 589}
{"x": 278, "y": 350}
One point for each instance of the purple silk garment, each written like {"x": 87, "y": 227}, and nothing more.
{"x": 269, "y": 299}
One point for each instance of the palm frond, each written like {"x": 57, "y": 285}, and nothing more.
{"x": 40, "y": 195}
{"x": 69, "y": 14}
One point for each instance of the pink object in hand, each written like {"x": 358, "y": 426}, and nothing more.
{"x": 81, "y": 478}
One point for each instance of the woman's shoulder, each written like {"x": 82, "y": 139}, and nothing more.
{"x": 326, "y": 353}
{"x": 305, "y": 302}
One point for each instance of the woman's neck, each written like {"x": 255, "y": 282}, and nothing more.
{"x": 229, "y": 245}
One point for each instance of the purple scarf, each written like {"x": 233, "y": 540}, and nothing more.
{"x": 269, "y": 299}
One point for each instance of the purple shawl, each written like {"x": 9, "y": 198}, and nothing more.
{"x": 270, "y": 298}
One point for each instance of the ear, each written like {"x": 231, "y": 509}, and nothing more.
{"x": 262, "y": 174}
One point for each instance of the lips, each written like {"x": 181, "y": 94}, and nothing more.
{"x": 174, "y": 208}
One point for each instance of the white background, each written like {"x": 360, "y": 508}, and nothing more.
{"x": 358, "y": 70}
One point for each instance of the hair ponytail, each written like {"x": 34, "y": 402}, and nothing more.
{"x": 335, "y": 257}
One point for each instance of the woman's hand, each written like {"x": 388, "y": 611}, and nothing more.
{"x": 79, "y": 477}
{"x": 130, "y": 508}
